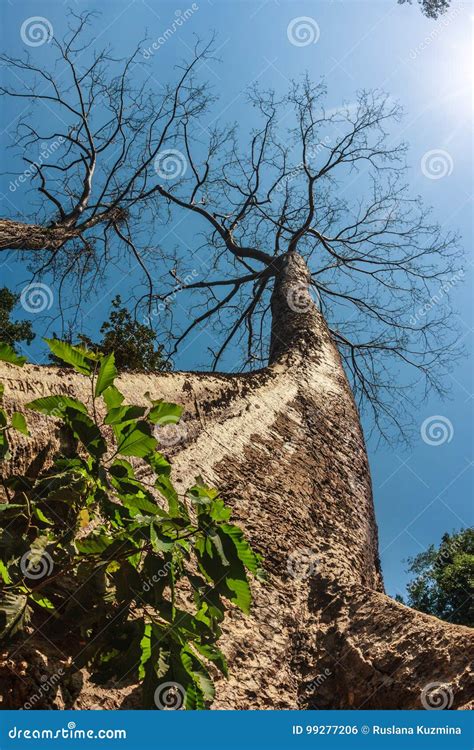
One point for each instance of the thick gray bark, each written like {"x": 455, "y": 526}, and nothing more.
{"x": 285, "y": 446}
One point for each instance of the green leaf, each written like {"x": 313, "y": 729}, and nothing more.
{"x": 145, "y": 646}
{"x": 107, "y": 374}
{"x": 43, "y": 601}
{"x": 136, "y": 440}
{"x": 230, "y": 581}
{"x": 159, "y": 463}
{"x": 165, "y": 413}
{"x": 7, "y": 354}
{"x": 73, "y": 355}
{"x": 212, "y": 653}
{"x": 250, "y": 559}
{"x": 19, "y": 423}
{"x": 122, "y": 414}
{"x": 87, "y": 432}
{"x": 112, "y": 397}
{"x": 4, "y": 572}
{"x": 55, "y": 406}
{"x": 14, "y": 613}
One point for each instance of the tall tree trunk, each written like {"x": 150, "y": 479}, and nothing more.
{"x": 285, "y": 446}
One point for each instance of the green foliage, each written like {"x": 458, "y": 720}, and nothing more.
{"x": 444, "y": 579}
{"x": 140, "y": 574}
{"x": 133, "y": 344}
{"x": 13, "y": 332}
{"x": 431, "y": 8}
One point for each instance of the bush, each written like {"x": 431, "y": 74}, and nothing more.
{"x": 140, "y": 573}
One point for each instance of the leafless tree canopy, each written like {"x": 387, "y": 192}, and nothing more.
{"x": 131, "y": 160}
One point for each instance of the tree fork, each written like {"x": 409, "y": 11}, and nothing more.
{"x": 285, "y": 447}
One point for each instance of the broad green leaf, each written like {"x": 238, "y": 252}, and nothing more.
{"x": 43, "y": 601}
{"x": 87, "y": 432}
{"x": 159, "y": 463}
{"x": 165, "y": 413}
{"x": 55, "y": 406}
{"x": 14, "y": 613}
{"x": 136, "y": 440}
{"x": 123, "y": 414}
{"x": 73, "y": 355}
{"x": 250, "y": 559}
{"x": 19, "y": 423}
{"x": 7, "y": 354}
{"x": 164, "y": 485}
{"x": 199, "y": 674}
{"x": 40, "y": 515}
{"x": 212, "y": 653}
{"x": 107, "y": 374}
{"x": 112, "y": 397}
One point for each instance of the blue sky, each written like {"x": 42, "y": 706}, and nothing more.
{"x": 426, "y": 65}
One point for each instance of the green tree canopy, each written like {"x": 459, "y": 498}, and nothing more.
{"x": 12, "y": 331}
{"x": 133, "y": 343}
{"x": 444, "y": 579}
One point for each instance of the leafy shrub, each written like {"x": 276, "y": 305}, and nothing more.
{"x": 86, "y": 547}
